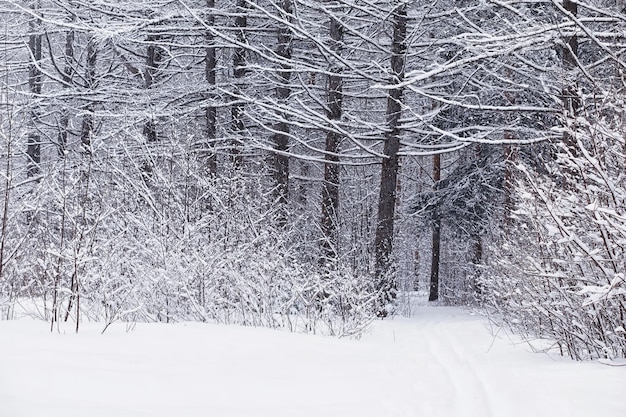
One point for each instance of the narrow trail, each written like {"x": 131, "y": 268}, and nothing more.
{"x": 478, "y": 374}
{"x": 442, "y": 362}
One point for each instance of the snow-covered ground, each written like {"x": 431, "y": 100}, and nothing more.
{"x": 442, "y": 362}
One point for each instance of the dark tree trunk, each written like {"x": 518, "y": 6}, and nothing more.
{"x": 416, "y": 270}
{"x": 211, "y": 76}
{"x": 570, "y": 98}
{"x": 67, "y": 75}
{"x": 436, "y": 244}
{"x": 281, "y": 138}
{"x": 385, "y": 277}
{"x": 330, "y": 187}
{"x": 434, "y": 262}
{"x": 239, "y": 71}
{"x": 477, "y": 257}
{"x": 90, "y": 79}
{"x": 510, "y": 159}
{"x": 35, "y": 81}
{"x": 154, "y": 57}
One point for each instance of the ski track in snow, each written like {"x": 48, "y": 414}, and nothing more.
{"x": 441, "y": 363}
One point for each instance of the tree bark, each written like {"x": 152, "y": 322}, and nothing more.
{"x": 330, "y": 186}
{"x": 67, "y": 75}
{"x": 239, "y": 72}
{"x": 436, "y": 243}
{"x": 510, "y": 159}
{"x": 35, "y": 82}
{"x": 570, "y": 98}
{"x": 477, "y": 256}
{"x": 385, "y": 276}
{"x": 281, "y": 138}
{"x": 154, "y": 58}
{"x": 210, "y": 67}
{"x": 90, "y": 79}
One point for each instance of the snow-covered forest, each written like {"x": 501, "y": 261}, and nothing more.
{"x": 311, "y": 165}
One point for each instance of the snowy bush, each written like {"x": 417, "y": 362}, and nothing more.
{"x": 100, "y": 238}
{"x": 560, "y": 273}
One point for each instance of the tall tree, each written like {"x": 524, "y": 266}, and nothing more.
{"x": 239, "y": 72}
{"x": 330, "y": 186}
{"x": 436, "y": 236}
{"x": 283, "y": 91}
{"x": 210, "y": 71}
{"x": 570, "y": 95}
{"x": 385, "y": 277}
{"x": 154, "y": 58}
{"x": 67, "y": 83}
{"x": 87, "y": 128}
{"x": 35, "y": 82}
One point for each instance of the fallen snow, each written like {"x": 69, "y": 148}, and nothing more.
{"x": 442, "y": 362}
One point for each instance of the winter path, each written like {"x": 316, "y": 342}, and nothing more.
{"x": 442, "y": 362}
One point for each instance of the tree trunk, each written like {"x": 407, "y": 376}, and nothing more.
{"x": 570, "y": 98}
{"x": 385, "y": 276}
{"x": 68, "y": 72}
{"x": 281, "y": 138}
{"x": 211, "y": 76}
{"x": 477, "y": 257}
{"x": 154, "y": 57}
{"x": 90, "y": 80}
{"x": 416, "y": 270}
{"x": 239, "y": 71}
{"x": 436, "y": 244}
{"x": 35, "y": 81}
{"x": 330, "y": 186}
{"x": 510, "y": 159}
